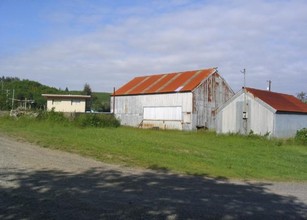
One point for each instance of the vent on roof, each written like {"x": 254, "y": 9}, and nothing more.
{"x": 179, "y": 88}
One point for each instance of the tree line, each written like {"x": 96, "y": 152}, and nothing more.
{"x": 15, "y": 92}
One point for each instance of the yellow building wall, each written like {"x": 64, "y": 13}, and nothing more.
{"x": 66, "y": 105}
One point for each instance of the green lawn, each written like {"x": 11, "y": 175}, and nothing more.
{"x": 197, "y": 153}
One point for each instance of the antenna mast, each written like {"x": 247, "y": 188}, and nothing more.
{"x": 244, "y": 73}
{"x": 270, "y": 82}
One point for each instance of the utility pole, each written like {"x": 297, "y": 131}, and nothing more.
{"x": 7, "y": 98}
{"x": 114, "y": 101}
{"x": 13, "y": 99}
{"x": 245, "y": 113}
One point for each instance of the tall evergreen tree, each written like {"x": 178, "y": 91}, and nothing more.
{"x": 87, "y": 89}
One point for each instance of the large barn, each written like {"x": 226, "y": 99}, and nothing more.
{"x": 182, "y": 100}
{"x": 262, "y": 112}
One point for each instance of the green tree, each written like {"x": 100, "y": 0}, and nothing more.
{"x": 87, "y": 90}
{"x": 302, "y": 96}
{"x": 23, "y": 90}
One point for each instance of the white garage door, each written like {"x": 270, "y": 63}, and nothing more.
{"x": 163, "y": 113}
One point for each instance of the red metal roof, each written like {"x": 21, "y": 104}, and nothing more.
{"x": 280, "y": 102}
{"x": 165, "y": 83}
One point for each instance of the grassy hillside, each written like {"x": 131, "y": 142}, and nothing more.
{"x": 21, "y": 90}
{"x": 196, "y": 153}
{"x": 101, "y": 101}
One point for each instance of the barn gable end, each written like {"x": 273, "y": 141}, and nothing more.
{"x": 207, "y": 97}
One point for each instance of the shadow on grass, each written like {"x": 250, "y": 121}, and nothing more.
{"x": 110, "y": 194}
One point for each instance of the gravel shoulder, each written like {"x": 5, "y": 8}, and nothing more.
{"x": 39, "y": 183}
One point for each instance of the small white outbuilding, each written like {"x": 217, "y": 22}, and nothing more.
{"x": 182, "y": 100}
{"x": 66, "y": 103}
{"x": 262, "y": 112}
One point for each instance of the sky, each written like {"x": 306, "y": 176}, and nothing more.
{"x": 106, "y": 43}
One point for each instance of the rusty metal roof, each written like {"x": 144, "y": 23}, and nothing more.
{"x": 165, "y": 83}
{"x": 279, "y": 101}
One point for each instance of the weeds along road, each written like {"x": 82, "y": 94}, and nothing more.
{"x": 38, "y": 183}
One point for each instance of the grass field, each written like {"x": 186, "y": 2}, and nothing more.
{"x": 196, "y": 153}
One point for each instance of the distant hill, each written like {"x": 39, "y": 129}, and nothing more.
{"x": 101, "y": 101}
{"x": 18, "y": 92}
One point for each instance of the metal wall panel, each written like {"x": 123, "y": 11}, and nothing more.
{"x": 211, "y": 94}
{"x": 286, "y": 125}
{"x": 227, "y": 119}
{"x": 260, "y": 118}
{"x": 130, "y": 109}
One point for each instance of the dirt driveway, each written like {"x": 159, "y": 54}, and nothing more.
{"x": 38, "y": 183}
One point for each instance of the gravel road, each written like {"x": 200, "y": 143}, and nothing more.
{"x": 39, "y": 183}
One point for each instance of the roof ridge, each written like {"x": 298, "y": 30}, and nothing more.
{"x": 196, "y": 70}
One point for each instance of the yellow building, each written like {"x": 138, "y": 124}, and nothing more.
{"x": 66, "y": 103}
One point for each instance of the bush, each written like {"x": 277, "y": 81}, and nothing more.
{"x": 301, "y": 136}
{"x": 96, "y": 120}
{"x": 82, "y": 120}
{"x": 52, "y": 116}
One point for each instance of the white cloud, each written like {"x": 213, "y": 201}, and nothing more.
{"x": 265, "y": 37}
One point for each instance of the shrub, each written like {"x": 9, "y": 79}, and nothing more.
{"x": 52, "y": 116}
{"x": 96, "y": 120}
{"x": 301, "y": 136}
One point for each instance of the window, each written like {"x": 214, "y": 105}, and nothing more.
{"x": 56, "y": 102}
{"x": 75, "y": 101}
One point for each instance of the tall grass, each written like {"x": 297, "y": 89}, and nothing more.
{"x": 197, "y": 153}
{"x": 96, "y": 120}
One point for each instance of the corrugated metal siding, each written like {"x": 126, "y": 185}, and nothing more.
{"x": 287, "y": 124}
{"x": 130, "y": 109}
{"x": 229, "y": 119}
{"x": 260, "y": 119}
{"x": 211, "y": 94}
